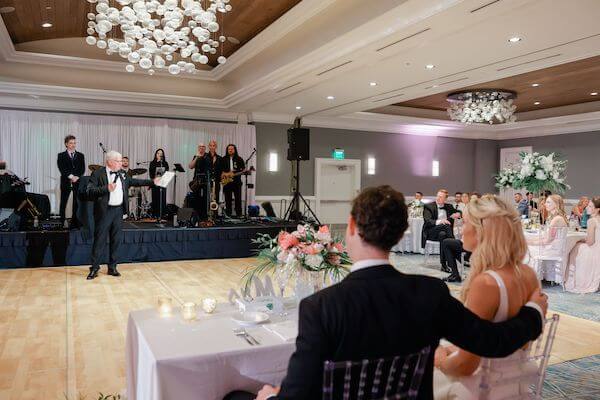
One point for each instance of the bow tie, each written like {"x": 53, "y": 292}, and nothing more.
{"x": 113, "y": 172}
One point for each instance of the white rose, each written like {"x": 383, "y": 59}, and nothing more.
{"x": 541, "y": 175}
{"x": 282, "y": 256}
{"x": 324, "y": 237}
{"x": 526, "y": 170}
{"x": 313, "y": 260}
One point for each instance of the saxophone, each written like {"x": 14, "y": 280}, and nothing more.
{"x": 214, "y": 206}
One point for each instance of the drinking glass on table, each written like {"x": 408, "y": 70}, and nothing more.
{"x": 282, "y": 276}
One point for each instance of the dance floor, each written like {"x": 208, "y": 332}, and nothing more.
{"x": 61, "y": 335}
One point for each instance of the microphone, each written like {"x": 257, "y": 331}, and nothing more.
{"x": 102, "y": 147}
{"x": 138, "y": 163}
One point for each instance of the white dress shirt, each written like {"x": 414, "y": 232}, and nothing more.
{"x": 71, "y": 155}
{"x": 370, "y": 262}
{"x": 116, "y": 196}
{"x": 230, "y": 164}
{"x": 442, "y": 215}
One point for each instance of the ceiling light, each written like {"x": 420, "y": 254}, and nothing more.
{"x": 434, "y": 86}
{"x": 372, "y": 83}
{"x": 5, "y": 10}
{"x": 482, "y": 106}
{"x": 46, "y": 25}
{"x": 594, "y": 93}
{"x": 535, "y": 84}
{"x": 514, "y": 39}
{"x": 34, "y": 96}
{"x": 429, "y": 66}
{"x": 298, "y": 108}
{"x": 330, "y": 97}
{"x": 537, "y": 103}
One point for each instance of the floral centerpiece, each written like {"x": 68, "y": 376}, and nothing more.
{"x": 306, "y": 252}
{"x": 415, "y": 208}
{"x": 536, "y": 173}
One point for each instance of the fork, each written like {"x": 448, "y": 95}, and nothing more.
{"x": 250, "y": 339}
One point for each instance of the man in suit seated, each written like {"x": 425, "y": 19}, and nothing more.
{"x": 379, "y": 312}
{"x": 438, "y": 223}
{"x": 522, "y": 205}
{"x": 452, "y": 250}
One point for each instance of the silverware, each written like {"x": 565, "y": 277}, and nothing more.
{"x": 242, "y": 333}
{"x": 249, "y": 338}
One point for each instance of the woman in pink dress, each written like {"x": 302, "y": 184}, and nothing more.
{"x": 583, "y": 271}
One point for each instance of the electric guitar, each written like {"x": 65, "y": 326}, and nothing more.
{"x": 227, "y": 177}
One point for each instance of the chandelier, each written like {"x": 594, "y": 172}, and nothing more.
{"x": 159, "y": 34}
{"x": 482, "y": 105}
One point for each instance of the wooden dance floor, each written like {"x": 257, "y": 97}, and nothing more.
{"x": 61, "y": 335}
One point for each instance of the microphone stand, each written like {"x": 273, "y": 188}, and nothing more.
{"x": 246, "y": 185}
{"x": 159, "y": 223}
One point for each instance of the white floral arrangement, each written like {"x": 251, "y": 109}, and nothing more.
{"x": 536, "y": 173}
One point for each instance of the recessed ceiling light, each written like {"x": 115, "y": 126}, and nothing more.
{"x": 537, "y": 103}
{"x": 233, "y": 40}
{"x": 330, "y": 97}
{"x": 515, "y": 39}
{"x": 298, "y": 108}
{"x": 535, "y": 84}
{"x": 46, "y": 25}
{"x": 434, "y": 86}
{"x": 594, "y": 93}
{"x": 34, "y": 96}
{"x": 372, "y": 83}
{"x": 430, "y": 66}
{"x": 6, "y": 10}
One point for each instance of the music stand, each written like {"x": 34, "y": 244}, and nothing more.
{"x": 177, "y": 168}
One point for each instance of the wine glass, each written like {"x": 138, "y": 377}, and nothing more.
{"x": 282, "y": 276}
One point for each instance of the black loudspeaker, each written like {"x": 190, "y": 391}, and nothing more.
{"x": 299, "y": 144}
{"x": 187, "y": 217}
{"x": 268, "y": 207}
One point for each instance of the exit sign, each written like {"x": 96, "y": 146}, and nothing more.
{"x": 338, "y": 154}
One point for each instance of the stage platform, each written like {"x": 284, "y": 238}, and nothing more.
{"x": 142, "y": 242}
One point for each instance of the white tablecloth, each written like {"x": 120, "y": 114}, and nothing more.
{"x": 572, "y": 238}
{"x": 170, "y": 359}
{"x": 411, "y": 241}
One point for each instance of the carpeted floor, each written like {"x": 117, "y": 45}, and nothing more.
{"x": 577, "y": 379}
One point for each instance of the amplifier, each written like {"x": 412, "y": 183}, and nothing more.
{"x": 45, "y": 225}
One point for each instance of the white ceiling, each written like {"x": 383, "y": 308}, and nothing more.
{"x": 292, "y": 63}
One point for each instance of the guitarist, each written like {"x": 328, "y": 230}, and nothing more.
{"x": 232, "y": 163}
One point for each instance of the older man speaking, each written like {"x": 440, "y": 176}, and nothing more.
{"x": 108, "y": 188}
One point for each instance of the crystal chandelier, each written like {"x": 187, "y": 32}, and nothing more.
{"x": 159, "y": 34}
{"x": 482, "y": 105}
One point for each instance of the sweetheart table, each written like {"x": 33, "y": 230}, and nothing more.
{"x": 169, "y": 358}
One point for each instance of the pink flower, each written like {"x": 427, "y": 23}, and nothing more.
{"x": 300, "y": 232}
{"x": 324, "y": 229}
{"x": 339, "y": 247}
{"x": 312, "y": 249}
{"x": 323, "y": 234}
{"x": 287, "y": 240}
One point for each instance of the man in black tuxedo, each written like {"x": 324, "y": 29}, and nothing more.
{"x": 452, "y": 250}
{"x": 232, "y": 163}
{"x": 379, "y": 312}
{"x": 108, "y": 188}
{"x": 71, "y": 165}
{"x": 438, "y": 223}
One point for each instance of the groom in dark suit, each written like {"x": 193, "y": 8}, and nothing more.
{"x": 109, "y": 189}
{"x": 379, "y": 312}
{"x": 71, "y": 165}
{"x": 438, "y": 222}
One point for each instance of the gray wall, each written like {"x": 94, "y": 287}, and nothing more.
{"x": 402, "y": 161}
{"x": 582, "y": 150}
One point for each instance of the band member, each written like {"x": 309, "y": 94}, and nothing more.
{"x": 108, "y": 188}
{"x": 215, "y": 168}
{"x": 71, "y": 165}
{"x": 201, "y": 165}
{"x": 232, "y": 163}
{"x": 158, "y": 166}
{"x": 133, "y": 191}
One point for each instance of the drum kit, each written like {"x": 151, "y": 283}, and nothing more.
{"x": 139, "y": 201}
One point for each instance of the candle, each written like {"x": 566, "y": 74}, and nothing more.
{"x": 165, "y": 307}
{"x": 188, "y": 311}
{"x": 209, "y": 305}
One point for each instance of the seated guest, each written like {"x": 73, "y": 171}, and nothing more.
{"x": 475, "y": 196}
{"x": 418, "y": 201}
{"x": 522, "y": 205}
{"x": 438, "y": 222}
{"x": 543, "y": 209}
{"x": 579, "y": 211}
{"x": 453, "y": 249}
{"x": 457, "y": 199}
{"x": 379, "y": 312}
{"x": 547, "y": 244}
{"x": 532, "y": 204}
{"x": 497, "y": 287}
{"x": 584, "y": 260}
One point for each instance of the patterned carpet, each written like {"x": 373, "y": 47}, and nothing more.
{"x": 575, "y": 380}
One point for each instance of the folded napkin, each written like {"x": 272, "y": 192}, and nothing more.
{"x": 286, "y": 330}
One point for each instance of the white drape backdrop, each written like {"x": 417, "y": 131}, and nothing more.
{"x": 30, "y": 142}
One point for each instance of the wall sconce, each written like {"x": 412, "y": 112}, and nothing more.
{"x": 435, "y": 168}
{"x": 371, "y": 166}
{"x": 273, "y": 162}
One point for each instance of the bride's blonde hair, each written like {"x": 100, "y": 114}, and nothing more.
{"x": 500, "y": 239}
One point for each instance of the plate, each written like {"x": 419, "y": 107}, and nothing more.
{"x": 250, "y": 317}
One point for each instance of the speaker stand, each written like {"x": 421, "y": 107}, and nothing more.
{"x": 293, "y": 211}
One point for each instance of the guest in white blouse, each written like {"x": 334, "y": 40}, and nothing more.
{"x": 498, "y": 285}
{"x": 584, "y": 261}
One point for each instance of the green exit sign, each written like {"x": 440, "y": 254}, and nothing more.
{"x": 338, "y": 154}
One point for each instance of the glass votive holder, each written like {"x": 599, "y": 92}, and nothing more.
{"x": 165, "y": 307}
{"x": 188, "y": 311}
{"x": 209, "y": 305}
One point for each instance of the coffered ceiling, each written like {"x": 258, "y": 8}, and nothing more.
{"x": 344, "y": 63}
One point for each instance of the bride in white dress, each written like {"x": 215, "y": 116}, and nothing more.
{"x": 583, "y": 272}
{"x": 497, "y": 286}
